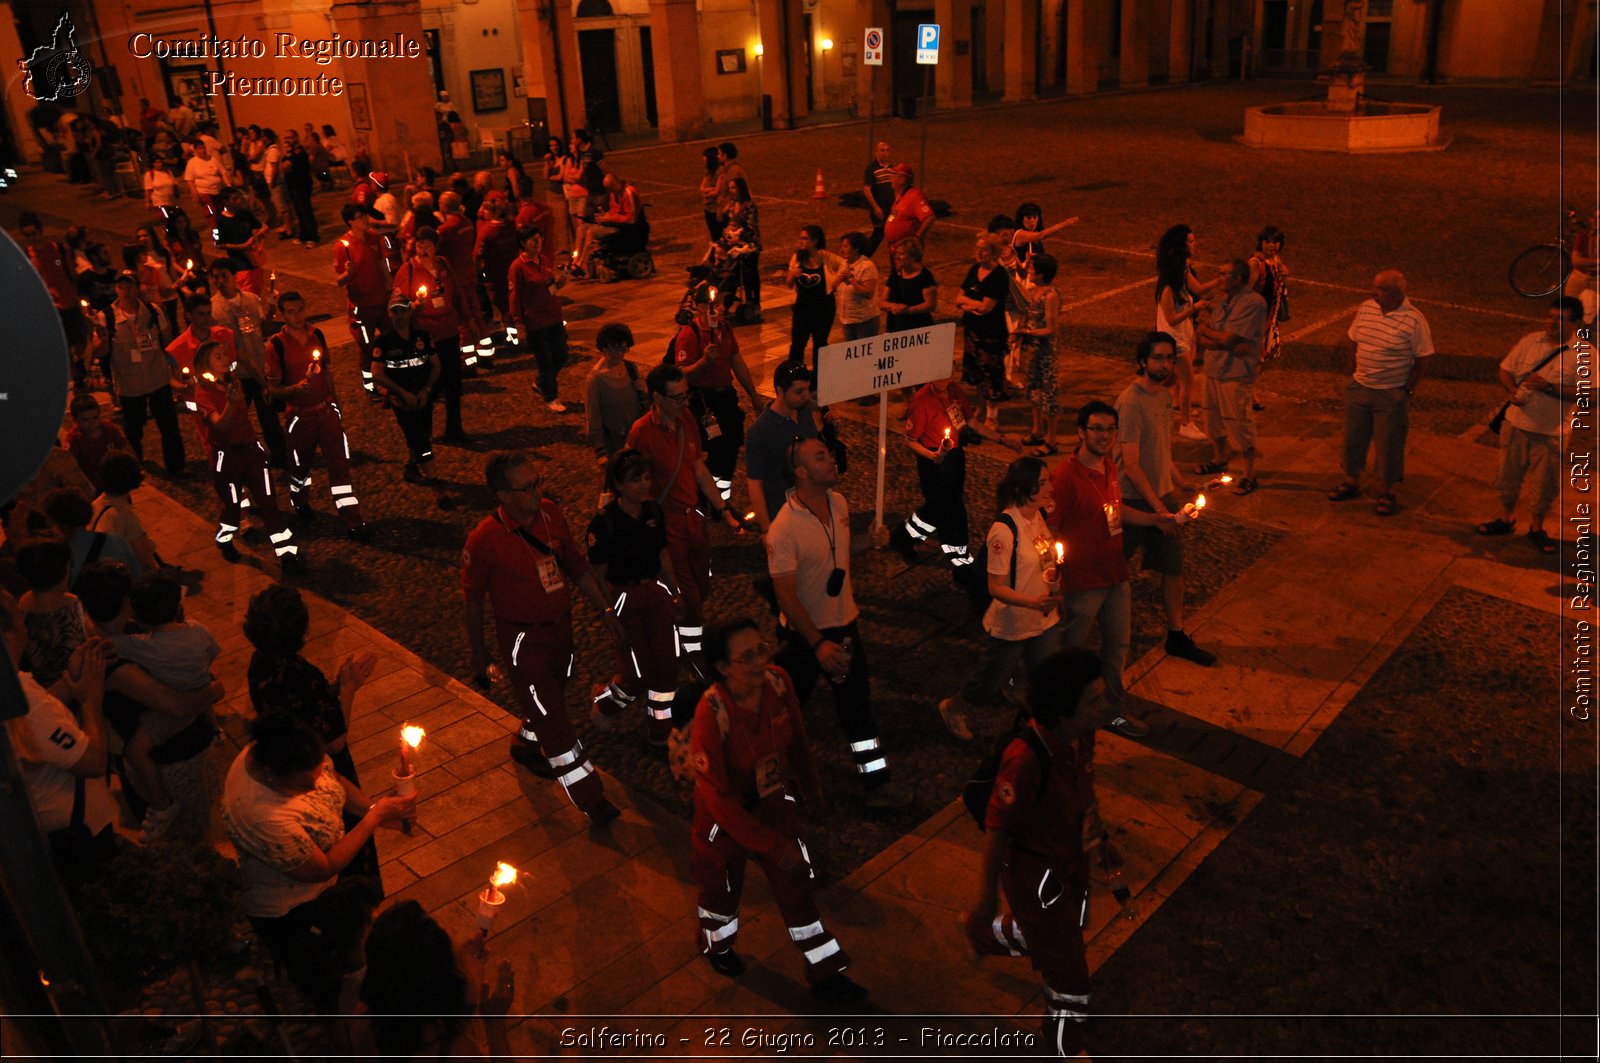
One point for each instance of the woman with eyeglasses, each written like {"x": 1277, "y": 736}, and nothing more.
{"x": 749, "y": 750}
{"x": 628, "y": 551}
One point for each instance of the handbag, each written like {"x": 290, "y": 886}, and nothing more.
{"x": 1497, "y": 420}
{"x": 1283, "y": 307}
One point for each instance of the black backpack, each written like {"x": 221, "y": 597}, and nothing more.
{"x": 977, "y": 574}
{"x": 976, "y": 792}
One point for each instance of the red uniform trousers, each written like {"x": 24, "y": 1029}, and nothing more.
{"x": 238, "y": 469}
{"x": 648, "y": 665}
{"x": 1048, "y": 910}
{"x": 314, "y": 428}
{"x": 716, "y": 862}
{"x": 364, "y": 323}
{"x": 689, "y": 546}
{"x": 538, "y": 664}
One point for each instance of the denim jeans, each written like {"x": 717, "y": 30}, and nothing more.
{"x": 1000, "y": 657}
{"x": 1112, "y": 608}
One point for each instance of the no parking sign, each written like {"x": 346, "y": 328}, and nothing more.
{"x": 872, "y": 54}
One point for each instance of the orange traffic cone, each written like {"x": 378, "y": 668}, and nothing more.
{"x": 820, "y": 193}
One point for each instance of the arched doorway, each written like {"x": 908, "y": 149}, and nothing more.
{"x": 597, "y": 60}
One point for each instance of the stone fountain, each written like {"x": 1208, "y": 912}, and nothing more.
{"x": 1346, "y": 121}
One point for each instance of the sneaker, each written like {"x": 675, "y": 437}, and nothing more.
{"x": 901, "y": 542}
{"x": 1179, "y": 644}
{"x": 1190, "y": 430}
{"x": 955, "y": 721}
{"x": 556, "y": 406}
{"x": 230, "y": 553}
{"x": 1128, "y": 727}
{"x": 603, "y": 814}
{"x": 157, "y": 822}
{"x": 887, "y": 797}
{"x": 840, "y": 988}
{"x": 527, "y": 755}
{"x": 726, "y": 963}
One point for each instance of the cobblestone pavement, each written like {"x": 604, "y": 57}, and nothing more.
{"x": 1129, "y": 165}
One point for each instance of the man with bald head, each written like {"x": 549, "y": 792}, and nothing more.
{"x": 1385, "y": 348}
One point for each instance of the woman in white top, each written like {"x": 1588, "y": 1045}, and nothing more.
{"x": 284, "y": 810}
{"x": 1023, "y": 621}
{"x": 1179, "y": 301}
{"x": 160, "y": 187}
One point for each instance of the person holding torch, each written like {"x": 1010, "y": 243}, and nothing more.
{"x": 1023, "y": 621}
{"x": 1151, "y": 484}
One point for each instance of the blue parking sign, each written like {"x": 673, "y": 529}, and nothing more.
{"x": 928, "y": 43}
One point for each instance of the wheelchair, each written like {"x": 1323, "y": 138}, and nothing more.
{"x": 624, "y": 253}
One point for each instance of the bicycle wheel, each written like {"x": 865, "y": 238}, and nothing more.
{"x": 1541, "y": 270}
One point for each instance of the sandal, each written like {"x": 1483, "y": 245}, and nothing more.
{"x": 1046, "y": 450}
{"x": 1211, "y": 468}
{"x": 1386, "y": 506}
{"x": 1542, "y": 541}
{"x": 1245, "y": 486}
{"x": 1344, "y": 492}
{"x": 1497, "y": 527}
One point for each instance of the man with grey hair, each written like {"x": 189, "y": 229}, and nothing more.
{"x": 1231, "y": 337}
{"x": 1384, "y": 348}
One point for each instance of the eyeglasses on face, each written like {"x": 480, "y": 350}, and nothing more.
{"x": 759, "y": 655}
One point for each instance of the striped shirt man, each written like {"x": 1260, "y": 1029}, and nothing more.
{"x": 1388, "y": 344}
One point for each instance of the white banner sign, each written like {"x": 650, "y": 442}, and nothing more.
{"x": 855, "y": 368}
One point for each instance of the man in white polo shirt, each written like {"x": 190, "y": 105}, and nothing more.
{"x": 1385, "y": 349}
{"x": 1540, "y": 377}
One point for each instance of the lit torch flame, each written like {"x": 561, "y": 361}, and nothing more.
{"x": 422, "y": 291}
{"x": 1200, "y": 501}
{"x": 1061, "y": 552}
{"x": 412, "y": 735}
{"x": 188, "y": 264}
{"x": 504, "y": 875}
{"x": 209, "y": 378}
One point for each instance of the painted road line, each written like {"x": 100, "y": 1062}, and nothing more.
{"x": 1142, "y": 282}
{"x": 1320, "y": 323}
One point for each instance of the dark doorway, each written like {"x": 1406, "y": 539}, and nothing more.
{"x": 1274, "y": 25}
{"x": 1061, "y": 48}
{"x": 909, "y": 76}
{"x": 597, "y": 57}
{"x": 806, "y": 31}
{"x": 980, "y": 55}
{"x": 1375, "y": 48}
{"x": 435, "y": 61}
{"x": 649, "y": 60}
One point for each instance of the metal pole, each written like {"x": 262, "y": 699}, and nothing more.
{"x": 872, "y": 110}
{"x": 883, "y": 451}
{"x": 927, "y": 94}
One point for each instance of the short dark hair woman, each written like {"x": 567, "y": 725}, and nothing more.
{"x": 628, "y": 551}
{"x": 748, "y": 746}
{"x": 285, "y": 813}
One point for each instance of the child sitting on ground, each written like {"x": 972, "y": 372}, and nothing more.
{"x": 176, "y": 653}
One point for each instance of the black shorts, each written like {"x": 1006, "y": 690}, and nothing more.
{"x": 1162, "y": 553}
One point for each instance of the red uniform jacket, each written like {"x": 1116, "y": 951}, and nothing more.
{"x": 524, "y": 585}
{"x": 766, "y": 747}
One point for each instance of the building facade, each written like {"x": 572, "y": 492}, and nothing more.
{"x": 689, "y": 68}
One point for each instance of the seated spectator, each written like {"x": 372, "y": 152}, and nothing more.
{"x": 178, "y": 654}
{"x": 52, "y": 618}
{"x": 90, "y": 440}
{"x": 281, "y": 680}
{"x": 70, "y": 513}
{"x": 113, "y": 510}
{"x": 186, "y": 771}
{"x": 284, "y": 811}
{"x": 63, "y": 756}
{"x": 420, "y": 991}
{"x": 24, "y": 516}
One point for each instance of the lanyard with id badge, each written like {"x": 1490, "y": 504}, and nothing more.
{"x": 546, "y": 563}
